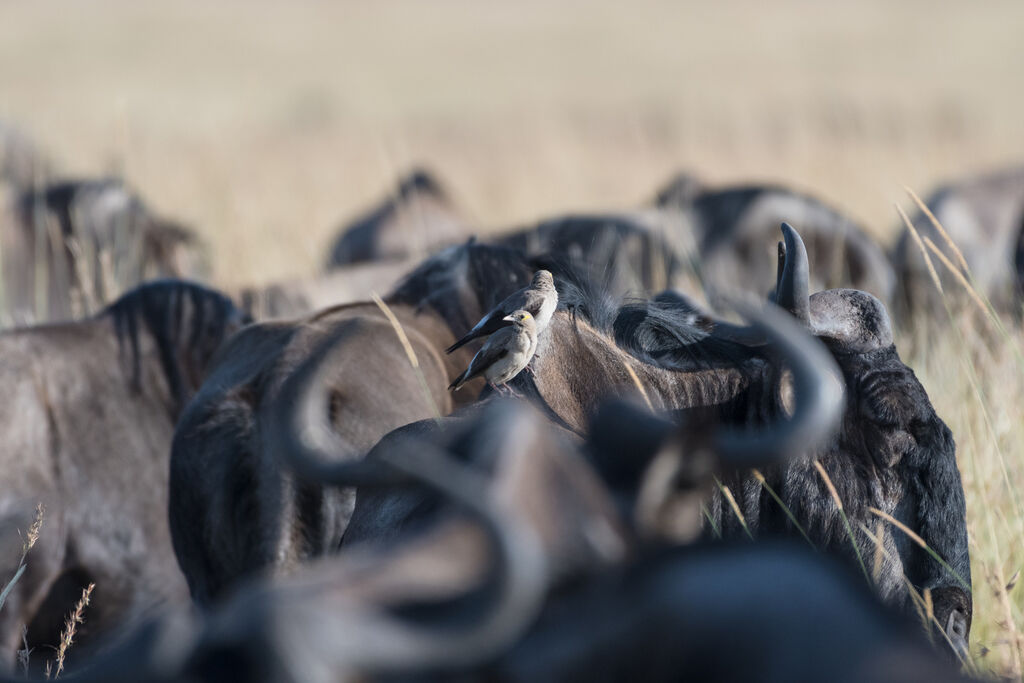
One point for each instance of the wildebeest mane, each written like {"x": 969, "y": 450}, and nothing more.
{"x": 187, "y": 323}
{"x": 667, "y": 330}
{"x": 443, "y": 282}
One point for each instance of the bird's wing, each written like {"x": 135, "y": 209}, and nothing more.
{"x": 515, "y": 300}
{"x": 532, "y": 301}
{"x": 487, "y": 325}
{"x": 496, "y": 348}
{"x": 490, "y": 322}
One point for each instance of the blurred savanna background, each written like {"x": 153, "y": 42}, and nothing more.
{"x": 265, "y": 124}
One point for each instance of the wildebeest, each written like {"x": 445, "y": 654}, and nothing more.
{"x": 735, "y": 227}
{"x": 70, "y": 247}
{"x": 419, "y": 217}
{"x": 235, "y": 510}
{"x": 893, "y": 453}
{"x": 438, "y": 600}
{"x": 984, "y": 216}
{"x": 88, "y": 418}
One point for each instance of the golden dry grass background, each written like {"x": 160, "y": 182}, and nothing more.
{"x": 264, "y": 124}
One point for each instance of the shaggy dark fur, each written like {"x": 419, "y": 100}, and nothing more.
{"x": 188, "y": 323}
{"x": 443, "y": 282}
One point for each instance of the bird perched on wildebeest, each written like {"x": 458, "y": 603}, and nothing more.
{"x": 505, "y": 354}
{"x": 539, "y": 299}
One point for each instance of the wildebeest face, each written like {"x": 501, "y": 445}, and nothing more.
{"x": 894, "y": 458}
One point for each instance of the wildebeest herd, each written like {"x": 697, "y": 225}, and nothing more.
{"x": 626, "y": 485}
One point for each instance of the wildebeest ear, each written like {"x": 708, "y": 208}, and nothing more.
{"x": 793, "y": 283}
{"x": 855, "y": 319}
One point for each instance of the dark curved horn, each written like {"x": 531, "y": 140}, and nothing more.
{"x": 519, "y": 568}
{"x": 792, "y": 292}
{"x": 817, "y": 387}
{"x": 778, "y": 271}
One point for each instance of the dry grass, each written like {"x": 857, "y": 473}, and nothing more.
{"x": 974, "y": 374}
{"x": 265, "y": 123}
{"x": 67, "y": 636}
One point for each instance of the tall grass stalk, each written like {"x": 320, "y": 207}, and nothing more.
{"x": 410, "y": 354}
{"x": 31, "y": 536}
{"x": 846, "y": 520}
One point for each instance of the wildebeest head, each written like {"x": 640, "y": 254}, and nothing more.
{"x": 186, "y": 323}
{"x": 893, "y": 455}
{"x": 418, "y": 216}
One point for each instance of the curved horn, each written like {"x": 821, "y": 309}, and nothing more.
{"x": 778, "y": 272}
{"x": 792, "y": 293}
{"x": 519, "y": 570}
{"x": 817, "y": 386}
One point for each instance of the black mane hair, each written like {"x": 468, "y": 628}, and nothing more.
{"x": 667, "y": 331}
{"x": 187, "y": 322}
{"x": 486, "y": 271}
{"x": 670, "y": 331}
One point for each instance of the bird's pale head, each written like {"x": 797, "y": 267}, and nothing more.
{"x": 542, "y": 279}
{"x": 519, "y": 316}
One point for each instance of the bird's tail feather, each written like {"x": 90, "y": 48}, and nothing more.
{"x": 459, "y": 344}
{"x": 457, "y": 382}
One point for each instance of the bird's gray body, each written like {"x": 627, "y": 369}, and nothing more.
{"x": 505, "y": 354}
